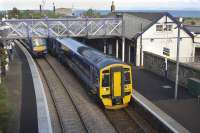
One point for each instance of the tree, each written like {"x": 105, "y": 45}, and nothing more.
{"x": 193, "y": 22}
{"x": 1, "y": 14}
{"x": 3, "y": 57}
{"x": 91, "y": 14}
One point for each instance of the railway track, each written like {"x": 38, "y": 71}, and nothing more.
{"x": 54, "y": 113}
{"x": 141, "y": 122}
{"x": 66, "y": 110}
{"x": 132, "y": 121}
{"x": 122, "y": 122}
{"x": 128, "y": 121}
{"x": 92, "y": 118}
{"x": 61, "y": 85}
{"x": 95, "y": 120}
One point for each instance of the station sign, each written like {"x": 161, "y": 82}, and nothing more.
{"x": 166, "y": 51}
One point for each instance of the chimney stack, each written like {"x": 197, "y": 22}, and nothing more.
{"x": 40, "y": 8}
{"x": 113, "y": 7}
{"x": 54, "y": 8}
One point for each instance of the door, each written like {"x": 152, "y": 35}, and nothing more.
{"x": 117, "y": 82}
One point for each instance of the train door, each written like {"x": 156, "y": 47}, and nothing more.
{"x": 117, "y": 83}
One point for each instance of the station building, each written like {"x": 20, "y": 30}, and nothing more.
{"x": 155, "y": 32}
{"x": 195, "y": 30}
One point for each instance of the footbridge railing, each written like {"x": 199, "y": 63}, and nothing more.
{"x": 76, "y": 27}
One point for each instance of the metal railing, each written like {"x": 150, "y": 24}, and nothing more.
{"x": 189, "y": 59}
{"x": 22, "y": 28}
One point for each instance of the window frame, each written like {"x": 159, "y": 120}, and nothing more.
{"x": 161, "y": 28}
{"x": 167, "y": 27}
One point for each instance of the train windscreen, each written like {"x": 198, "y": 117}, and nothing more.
{"x": 106, "y": 81}
{"x": 127, "y": 78}
{"x": 38, "y": 42}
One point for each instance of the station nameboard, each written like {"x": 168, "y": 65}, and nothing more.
{"x": 166, "y": 51}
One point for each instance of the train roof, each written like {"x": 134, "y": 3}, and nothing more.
{"x": 92, "y": 55}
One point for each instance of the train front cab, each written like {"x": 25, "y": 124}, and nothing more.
{"x": 39, "y": 46}
{"x": 115, "y": 86}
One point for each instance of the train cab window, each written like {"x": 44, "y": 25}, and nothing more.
{"x": 127, "y": 78}
{"x": 106, "y": 80}
{"x": 38, "y": 42}
{"x": 105, "y": 71}
{"x": 126, "y": 69}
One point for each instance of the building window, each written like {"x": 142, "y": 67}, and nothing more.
{"x": 159, "y": 27}
{"x": 168, "y": 27}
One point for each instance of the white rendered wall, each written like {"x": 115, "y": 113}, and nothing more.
{"x": 197, "y": 41}
{"x": 153, "y": 41}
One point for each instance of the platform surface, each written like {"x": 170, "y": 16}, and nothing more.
{"x": 21, "y": 95}
{"x": 159, "y": 91}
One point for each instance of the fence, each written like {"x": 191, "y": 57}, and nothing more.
{"x": 189, "y": 59}
{"x": 78, "y": 27}
{"x": 154, "y": 63}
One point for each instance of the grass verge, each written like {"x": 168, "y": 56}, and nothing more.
{"x": 4, "y": 108}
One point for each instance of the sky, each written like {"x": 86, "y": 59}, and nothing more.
{"x": 104, "y": 4}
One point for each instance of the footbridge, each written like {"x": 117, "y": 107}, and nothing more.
{"x": 76, "y": 27}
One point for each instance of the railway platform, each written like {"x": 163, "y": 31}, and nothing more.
{"x": 29, "y": 114}
{"x": 160, "y": 92}
{"x": 21, "y": 94}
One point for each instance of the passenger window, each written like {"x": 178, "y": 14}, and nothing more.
{"x": 127, "y": 78}
{"x": 106, "y": 81}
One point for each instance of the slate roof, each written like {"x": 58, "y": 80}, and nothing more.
{"x": 147, "y": 19}
{"x": 193, "y": 29}
{"x": 133, "y": 21}
{"x": 151, "y": 16}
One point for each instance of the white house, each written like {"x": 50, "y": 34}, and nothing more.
{"x": 195, "y": 30}
{"x": 156, "y": 33}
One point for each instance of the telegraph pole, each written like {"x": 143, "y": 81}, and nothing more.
{"x": 177, "y": 61}
{"x": 141, "y": 28}
{"x": 123, "y": 39}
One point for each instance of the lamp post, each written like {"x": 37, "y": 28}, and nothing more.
{"x": 141, "y": 28}
{"x": 177, "y": 60}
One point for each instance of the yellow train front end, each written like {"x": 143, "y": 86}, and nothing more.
{"x": 39, "y": 47}
{"x": 115, "y": 86}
